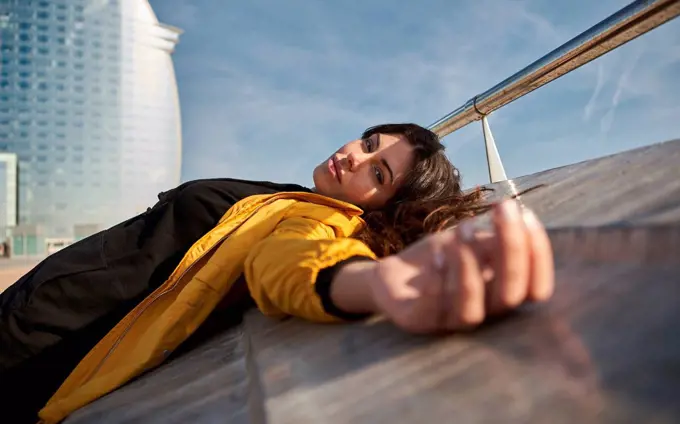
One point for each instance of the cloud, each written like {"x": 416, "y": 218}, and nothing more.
{"x": 590, "y": 106}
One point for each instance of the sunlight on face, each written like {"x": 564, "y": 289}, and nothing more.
{"x": 366, "y": 172}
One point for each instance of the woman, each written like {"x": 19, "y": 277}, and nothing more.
{"x": 398, "y": 174}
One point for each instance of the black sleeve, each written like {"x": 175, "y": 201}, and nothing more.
{"x": 323, "y": 289}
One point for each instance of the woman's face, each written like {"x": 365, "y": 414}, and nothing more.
{"x": 367, "y": 172}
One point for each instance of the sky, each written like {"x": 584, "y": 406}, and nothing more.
{"x": 269, "y": 89}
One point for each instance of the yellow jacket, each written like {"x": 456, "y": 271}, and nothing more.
{"x": 280, "y": 242}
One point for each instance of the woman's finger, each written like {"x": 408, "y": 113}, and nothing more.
{"x": 542, "y": 274}
{"x": 465, "y": 287}
{"x": 511, "y": 259}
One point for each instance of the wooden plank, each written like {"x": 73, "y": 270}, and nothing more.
{"x": 605, "y": 349}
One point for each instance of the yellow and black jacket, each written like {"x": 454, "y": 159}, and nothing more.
{"x": 279, "y": 242}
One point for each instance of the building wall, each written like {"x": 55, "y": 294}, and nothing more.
{"x": 88, "y": 102}
{"x": 8, "y": 193}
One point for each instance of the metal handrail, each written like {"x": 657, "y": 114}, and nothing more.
{"x": 628, "y": 23}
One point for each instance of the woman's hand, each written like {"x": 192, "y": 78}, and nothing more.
{"x": 454, "y": 279}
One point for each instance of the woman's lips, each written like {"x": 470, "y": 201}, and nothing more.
{"x": 333, "y": 168}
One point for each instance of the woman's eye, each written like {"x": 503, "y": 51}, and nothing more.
{"x": 369, "y": 145}
{"x": 379, "y": 175}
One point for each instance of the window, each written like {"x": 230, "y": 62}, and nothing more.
{"x": 43, "y": 38}
{"x": 43, "y": 15}
{"x": 25, "y": 49}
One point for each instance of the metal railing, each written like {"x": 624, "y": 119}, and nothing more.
{"x": 628, "y": 23}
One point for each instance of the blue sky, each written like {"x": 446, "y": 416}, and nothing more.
{"x": 269, "y": 88}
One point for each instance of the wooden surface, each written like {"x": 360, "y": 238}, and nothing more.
{"x": 605, "y": 349}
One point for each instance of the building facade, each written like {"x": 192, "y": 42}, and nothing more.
{"x": 89, "y": 105}
{"x": 8, "y": 193}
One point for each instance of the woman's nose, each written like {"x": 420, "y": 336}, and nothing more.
{"x": 355, "y": 160}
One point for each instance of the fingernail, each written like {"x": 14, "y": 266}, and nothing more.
{"x": 466, "y": 230}
{"x": 530, "y": 218}
{"x": 510, "y": 210}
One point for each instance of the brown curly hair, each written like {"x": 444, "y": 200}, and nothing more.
{"x": 430, "y": 199}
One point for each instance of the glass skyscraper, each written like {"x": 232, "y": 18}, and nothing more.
{"x": 89, "y": 104}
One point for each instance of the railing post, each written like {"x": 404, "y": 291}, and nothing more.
{"x": 493, "y": 159}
